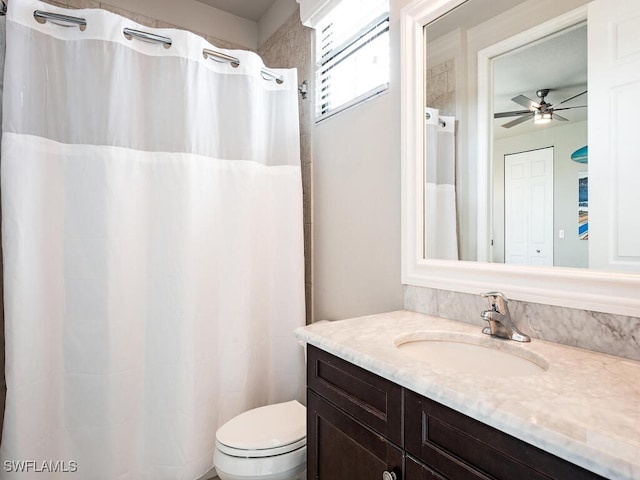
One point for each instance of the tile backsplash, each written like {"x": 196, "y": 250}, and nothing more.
{"x": 600, "y": 332}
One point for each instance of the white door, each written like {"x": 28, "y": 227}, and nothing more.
{"x": 528, "y": 185}
{"x": 614, "y": 168}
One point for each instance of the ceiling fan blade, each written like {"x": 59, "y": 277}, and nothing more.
{"x": 568, "y": 108}
{"x": 526, "y": 102}
{"x": 510, "y": 114}
{"x": 570, "y": 98}
{"x": 518, "y": 121}
{"x": 559, "y": 117}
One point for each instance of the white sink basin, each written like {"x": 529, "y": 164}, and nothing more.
{"x": 472, "y": 354}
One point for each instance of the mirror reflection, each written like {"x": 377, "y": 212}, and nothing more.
{"x": 538, "y": 96}
{"x": 539, "y": 217}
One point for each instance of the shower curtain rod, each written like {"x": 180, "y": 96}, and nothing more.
{"x": 67, "y": 20}
{"x": 235, "y": 62}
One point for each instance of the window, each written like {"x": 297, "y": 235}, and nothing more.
{"x": 352, "y": 55}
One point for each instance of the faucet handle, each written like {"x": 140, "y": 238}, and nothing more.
{"x": 497, "y": 301}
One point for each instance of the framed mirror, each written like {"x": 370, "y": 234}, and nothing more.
{"x": 464, "y": 63}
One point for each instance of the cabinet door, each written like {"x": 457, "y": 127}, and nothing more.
{"x": 339, "y": 447}
{"x": 460, "y": 448}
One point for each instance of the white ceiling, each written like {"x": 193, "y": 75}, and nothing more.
{"x": 249, "y": 9}
{"x": 558, "y": 63}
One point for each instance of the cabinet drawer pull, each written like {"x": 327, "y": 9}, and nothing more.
{"x": 389, "y": 476}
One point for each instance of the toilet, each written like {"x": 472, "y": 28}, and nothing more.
{"x": 266, "y": 443}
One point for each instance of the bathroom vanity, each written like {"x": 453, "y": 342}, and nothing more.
{"x": 376, "y": 412}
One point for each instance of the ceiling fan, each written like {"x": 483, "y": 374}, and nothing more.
{"x": 540, "y": 112}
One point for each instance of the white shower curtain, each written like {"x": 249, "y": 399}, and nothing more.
{"x": 152, "y": 237}
{"x": 441, "y": 232}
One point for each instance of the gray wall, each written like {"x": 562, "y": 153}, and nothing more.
{"x": 356, "y": 196}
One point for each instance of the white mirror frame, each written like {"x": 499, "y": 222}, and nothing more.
{"x": 611, "y": 292}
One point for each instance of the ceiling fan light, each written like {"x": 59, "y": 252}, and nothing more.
{"x": 540, "y": 118}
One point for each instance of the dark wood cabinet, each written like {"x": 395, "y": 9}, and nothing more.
{"x": 460, "y": 447}
{"x": 418, "y": 471}
{"x": 343, "y": 448}
{"x": 360, "y": 425}
{"x": 367, "y": 397}
{"x": 354, "y": 421}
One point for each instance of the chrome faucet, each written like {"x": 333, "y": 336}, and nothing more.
{"x": 500, "y": 324}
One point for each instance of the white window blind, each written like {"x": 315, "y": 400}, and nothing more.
{"x": 352, "y": 55}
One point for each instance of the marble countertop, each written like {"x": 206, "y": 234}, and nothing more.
{"x": 585, "y": 408}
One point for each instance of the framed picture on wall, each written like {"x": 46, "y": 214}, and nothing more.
{"x": 583, "y": 206}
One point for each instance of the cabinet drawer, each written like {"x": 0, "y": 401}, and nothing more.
{"x": 459, "y": 447}
{"x": 369, "y": 398}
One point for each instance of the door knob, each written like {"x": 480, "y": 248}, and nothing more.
{"x": 537, "y": 250}
{"x": 389, "y": 476}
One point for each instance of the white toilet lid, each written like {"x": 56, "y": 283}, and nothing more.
{"x": 265, "y": 428}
